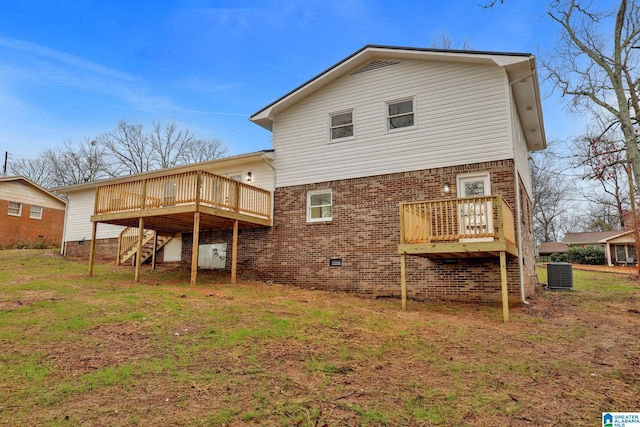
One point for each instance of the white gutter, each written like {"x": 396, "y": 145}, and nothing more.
{"x": 519, "y": 228}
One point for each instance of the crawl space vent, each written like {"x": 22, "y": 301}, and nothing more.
{"x": 560, "y": 276}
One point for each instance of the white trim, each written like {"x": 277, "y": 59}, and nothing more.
{"x": 309, "y": 206}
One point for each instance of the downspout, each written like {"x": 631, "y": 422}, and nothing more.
{"x": 519, "y": 211}
{"x": 63, "y": 244}
{"x": 519, "y": 228}
{"x": 266, "y": 160}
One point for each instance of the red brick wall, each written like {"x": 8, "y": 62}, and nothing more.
{"x": 22, "y": 229}
{"x": 364, "y": 233}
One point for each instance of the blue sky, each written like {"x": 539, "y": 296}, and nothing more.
{"x": 71, "y": 69}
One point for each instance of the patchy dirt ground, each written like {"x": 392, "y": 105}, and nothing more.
{"x": 161, "y": 353}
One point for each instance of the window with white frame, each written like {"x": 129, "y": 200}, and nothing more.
{"x": 319, "y": 205}
{"x": 35, "y": 212}
{"x": 341, "y": 125}
{"x": 15, "y": 209}
{"x": 400, "y": 114}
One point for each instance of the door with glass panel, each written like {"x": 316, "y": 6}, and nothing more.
{"x": 475, "y": 216}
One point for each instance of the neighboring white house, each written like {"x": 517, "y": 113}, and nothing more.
{"x": 385, "y": 128}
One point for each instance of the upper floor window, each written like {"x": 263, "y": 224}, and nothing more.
{"x": 15, "y": 208}
{"x": 35, "y": 212}
{"x": 319, "y": 205}
{"x": 341, "y": 125}
{"x": 400, "y": 114}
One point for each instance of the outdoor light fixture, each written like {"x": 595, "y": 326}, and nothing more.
{"x": 249, "y": 177}
{"x": 447, "y": 188}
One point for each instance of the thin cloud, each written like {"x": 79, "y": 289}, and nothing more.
{"x": 64, "y": 57}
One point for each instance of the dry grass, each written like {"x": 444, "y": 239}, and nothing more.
{"x": 108, "y": 351}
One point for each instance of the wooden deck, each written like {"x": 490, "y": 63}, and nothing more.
{"x": 458, "y": 228}
{"x": 185, "y": 202}
{"x": 168, "y": 203}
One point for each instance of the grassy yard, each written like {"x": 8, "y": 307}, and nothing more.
{"x": 105, "y": 350}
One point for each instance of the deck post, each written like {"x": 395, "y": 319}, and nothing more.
{"x": 505, "y": 293}
{"x": 139, "y": 249}
{"x": 234, "y": 252}
{"x": 194, "y": 249}
{"x": 403, "y": 279}
{"x": 92, "y": 248}
{"x": 155, "y": 248}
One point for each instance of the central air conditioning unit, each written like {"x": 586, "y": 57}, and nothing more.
{"x": 560, "y": 276}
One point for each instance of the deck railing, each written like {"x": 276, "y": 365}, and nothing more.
{"x": 183, "y": 189}
{"x": 454, "y": 220}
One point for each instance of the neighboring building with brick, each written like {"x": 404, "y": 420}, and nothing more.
{"x": 30, "y": 216}
{"x": 393, "y": 159}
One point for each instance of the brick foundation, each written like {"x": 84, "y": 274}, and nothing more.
{"x": 364, "y": 234}
{"x": 106, "y": 249}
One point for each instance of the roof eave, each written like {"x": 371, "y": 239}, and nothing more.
{"x": 265, "y": 116}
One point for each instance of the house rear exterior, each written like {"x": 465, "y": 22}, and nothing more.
{"x": 389, "y": 144}
{"x": 30, "y": 216}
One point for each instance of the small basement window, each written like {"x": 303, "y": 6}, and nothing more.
{"x": 319, "y": 205}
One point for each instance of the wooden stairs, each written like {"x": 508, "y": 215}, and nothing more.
{"x": 128, "y": 245}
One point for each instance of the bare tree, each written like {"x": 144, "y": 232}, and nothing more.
{"x": 594, "y": 62}
{"x": 551, "y": 192}
{"x": 601, "y": 158}
{"x": 165, "y": 146}
{"x": 75, "y": 164}
{"x": 67, "y": 165}
{"x": 131, "y": 149}
{"x": 169, "y": 144}
{"x": 202, "y": 150}
{"x": 38, "y": 170}
{"x": 444, "y": 41}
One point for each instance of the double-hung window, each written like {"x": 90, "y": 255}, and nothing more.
{"x": 35, "y": 212}
{"x": 15, "y": 209}
{"x": 319, "y": 205}
{"x": 400, "y": 114}
{"x": 341, "y": 125}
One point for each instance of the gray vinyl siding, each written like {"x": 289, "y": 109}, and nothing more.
{"x": 462, "y": 116}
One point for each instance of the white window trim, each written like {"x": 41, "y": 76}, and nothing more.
{"x": 387, "y": 117}
{"x": 353, "y": 125}
{"x": 19, "y": 209}
{"x": 35, "y": 216}
{"x": 314, "y": 192}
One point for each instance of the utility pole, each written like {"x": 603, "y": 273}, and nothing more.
{"x": 4, "y": 168}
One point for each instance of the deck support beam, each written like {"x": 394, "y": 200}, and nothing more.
{"x": 403, "y": 279}
{"x": 92, "y": 249}
{"x": 503, "y": 280}
{"x": 234, "y": 252}
{"x": 194, "y": 249}
{"x": 139, "y": 249}
{"x": 155, "y": 249}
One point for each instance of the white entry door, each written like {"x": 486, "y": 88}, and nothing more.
{"x": 476, "y": 217}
